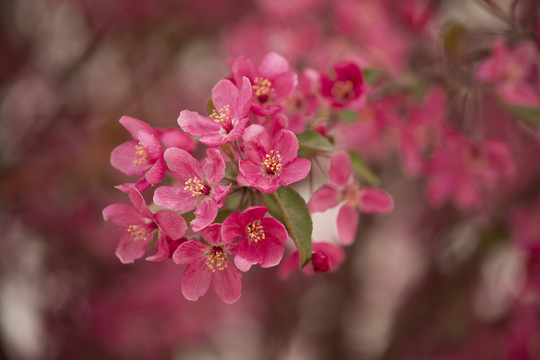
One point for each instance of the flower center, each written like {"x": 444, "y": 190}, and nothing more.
{"x": 137, "y": 232}
{"x": 140, "y": 155}
{"x": 263, "y": 88}
{"x": 197, "y": 187}
{"x": 350, "y": 195}
{"x": 255, "y": 231}
{"x": 342, "y": 90}
{"x": 272, "y": 162}
{"x": 217, "y": 259}
{"x": 223, "y": 118}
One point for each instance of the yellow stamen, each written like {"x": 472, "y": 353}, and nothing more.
{"x": 196, "y": 187}
{"x": 216, "y": 260}
{"x": 137, "y": 232}
{"x": 272, "y": 162}
{"x": 262, "y": 86}
{"x": 255, "y": 231}
{"x": 342, "y": 89}
{"x": 140, "y": 155}
{"x": 223, "y": 117}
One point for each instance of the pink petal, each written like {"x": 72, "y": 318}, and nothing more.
{"x": 215, "y": 140}
{"x": 205, "y": 213}
{"x": 245, "y": 98}
{"x": 156, "y": 172}
{"x": 274, "y": 230}
{"x": 252, "y": 214}
{"x": 347, "y": 224}
{"x": 295, "y": 171}
{"x": 212, "y": 234}
{"x": 290, "y": 264}
{"x": 171, "y": 224}
{"x": 243, "y": 67}
{"x": 287, "y": 145}
{"x": 134, "y": 125}
{"x": 123, "y": 158}
{"x": 284, "y": 85}
{"x": 196, "y": 280}
{"x": 178, "y": 139}
{"x": 181, "y": 163}
{"x": 335, "y": 254}
{"x": 129, "y": 250}
{"x": 139, "y": 203}
{"x": 254, "y": 175}
{"x": 197, "y": 125}
{"x": 257, "y": 143}
{"x": 250, "y": 252}
{"x": 273, "y": 253}
{"x": 227, "y": 284}
{"x": 242, "y": 264}
{"x": 376, "y": 201}
{"x": 190, "y": 251}
{"x": 213, "y": 167}
{"x": 162, "y": 246}
{"x": 233, "y": 228}
{"x": 174, "y": 198}
{"x": 340, "y": 168}
{"x": 123, "y": 215}
{"x": 140, "y": 185}
{"x": 323, "y": 199}
{"x": 150, "y": 144}
{"x": 219, "y": 192}
{"x": 273, "y": 64}
{"x": 224, "y": 93}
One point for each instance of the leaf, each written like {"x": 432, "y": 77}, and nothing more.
{"x": 311, "y": 142}
{"x": 222, "y": 215}
{"x": 289, "y": 207}
{"x": 530, "y": 115}
{"x": 348, "y": 116}
{"x": 371, "y": 75}
{"x": 363, "y": 170}
{"x": 210, "y": 107}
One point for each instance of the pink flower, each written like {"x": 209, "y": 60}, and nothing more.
{"x": 512, "y": 71}
{"x": 345, "y": 87}
{"x": 273, "y": 81}
{"x": 144, "y": 154}
{"x": 325, "y": 257}
{"x": 304, "y": 102}
{"x": 272, "y": 162}
{"x": 209, "y": 263}
{"x": 341, "y": 188}
{"x": 261, "y": 239}
{"x": 199, "y": 185}
{"x": 228, "y": 120}
{"x": 140, "y": 224}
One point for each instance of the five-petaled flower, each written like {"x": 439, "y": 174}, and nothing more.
{"x": 199, "y": 185}
{"x": 229, "y": 118}
{"x": 261, "y": 238}
{"x": 272, "y": 162}
{"x": 342, "y": 189}
{"x": 209, "y": 263}
{"x": 273, "y": 81}
{"x": 140, "y": 224}
{"x": 346, "y": 87}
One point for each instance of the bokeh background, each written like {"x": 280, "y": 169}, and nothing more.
{"x": 422, "y": 283}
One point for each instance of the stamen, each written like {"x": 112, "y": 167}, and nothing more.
{"x": 272, "y": 162}
{"x": 342, "y": 90}
{"x": 255, "y": 231}
{"x": 196, "y": 187}
{"x": 217, "y": 259}
{"x": 262, "y": 86}
{"x": 223, "y": 117}
{"x": 137, "y": 232}
{"x": 140, "y": 155}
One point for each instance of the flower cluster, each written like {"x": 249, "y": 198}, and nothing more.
{"x": 259, "y": 120}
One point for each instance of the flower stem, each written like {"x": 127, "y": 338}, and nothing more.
{"x": 288, "y": 224}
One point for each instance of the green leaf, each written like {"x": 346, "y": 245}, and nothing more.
{"x": 210, "y": 107}
{"x": 530, "y": 115}
{"x": 222, "y": 215}
{"x": 348, "y": 116}
{"x": 371, "y": 75}
{"x": 311, "y": 142}
{"x": 289, "y": 207}
{"x": 363, "y": 170}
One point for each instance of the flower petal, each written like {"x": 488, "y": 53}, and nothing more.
{"x": 156, "y": 172}
{"x": 205, "y": 213}
{"x": 123, "y": 215}
{"x": 323, "y": 199}
{"x": 245, "y": 99}
{"x": 139, "y": 203}
{"x": 274, "y": 230}
{"x": 123, "y": 158}
{"x": 257, "y": 143}
{"x": 227, "y": 284}
{"x": 287, "y": 145}
{"x": 347, "y": 224}
{"x": 174, "y": 198}
{"x": 273, "y": 64}
{"x": 376, "y": 201}
{"x": 232, "y": 228}
{"x": 134, "y": 125}
{"x": 129, "y": 249}
{"x": 196, "y": 280}
{"x": 196, "y": 124}
{"x": 181, "y": 163}
{"x": 150, "y": 144}
{"x": 212, "y": 234}
{"x": 176, "y": 138}
{"x": 295, "y": 171}
{"x": 340, "y": 168}
{"x": 190, "y": 251}
{"x": 162, "y": 246}
{"x": 171, "y": 224}
{"x": 213, "y": 166}
{"x": 224, "y": 93}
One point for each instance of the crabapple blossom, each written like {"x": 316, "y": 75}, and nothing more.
{"x": 345, "y": 87}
